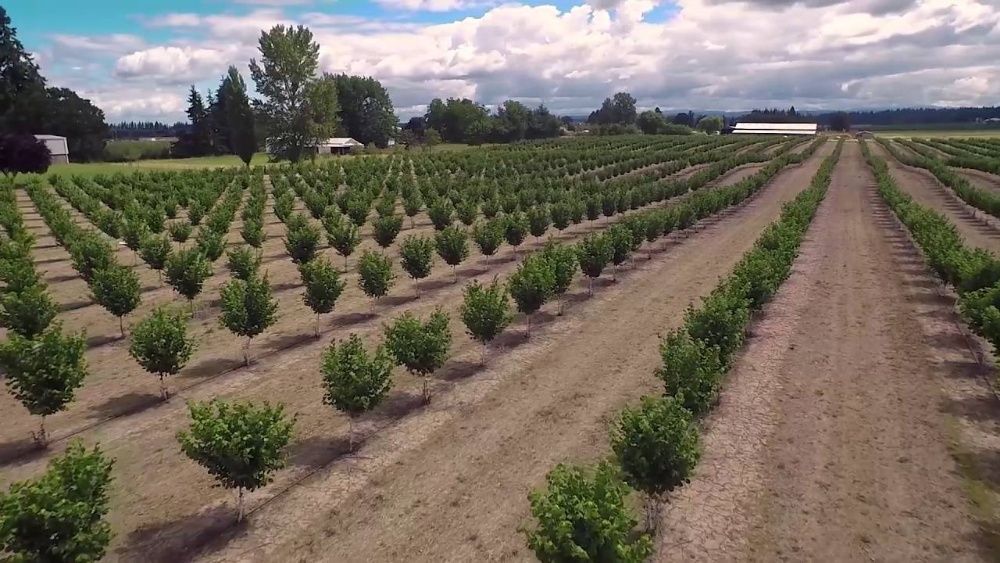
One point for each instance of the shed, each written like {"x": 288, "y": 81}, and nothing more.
{"x": 337, "y": 145}
{"x": 57, "y": 146}
{"x": 776, "y": 128}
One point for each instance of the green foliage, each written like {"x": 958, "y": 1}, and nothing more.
{"x": 515, "y": 228}
{"x": 532, "y": 284}
{"x": 179, "y": 231}
{"x": 18, "y": 274}
{"x": 60, "y": 515}
{"x": 323, "y": 285}
{"x": 154, "y": 251}
{"x": 582, "y": 516}
{"x": 355, "y": 381}
{"x": 375, "y": 274}
{"x": 187, "y": 270}
{"x": 563, "y": 262}
{"x": 240, "y": 444}
{"x": 243, "y": 262}
{"x": 343, "y": 236}
{"x": 27, "y": 312}
{"x": 117, "y": 289}
{"x": 134, "y": 232}
{"x": 302, "y": 241}
{"x": 420, "y": 346}
{"x": 210, "y": 243}
{"x": 417, "y": 256}
{"x": 91, "y": 252}
{"x": 253, "y": 232}
{"x": 386, "y": 228}
{"x": 467, "y": 211}
{"x": 720, "y": 322}
{"x": 488, "y": 236}
{"x": 160, "y": 343}
{"x": 248, "y": 308}
{"x": 486, "y": 310}
{"x": 539, "y": 220}
{"x": 691, "y": 371}
{"x": 593, "y": 253}
{"x": 452, "y": 245}
{"x": 44, "y": 373}
{"x": 620, "y": 239}
{"x": 440, "y": 213}
{"x": 656, "y": 445}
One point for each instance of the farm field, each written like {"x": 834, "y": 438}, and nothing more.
{"x": 855, "y": 394}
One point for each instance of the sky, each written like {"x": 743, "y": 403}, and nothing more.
{"x": 137, "y": 59}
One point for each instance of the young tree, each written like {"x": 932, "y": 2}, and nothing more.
{"x": 539, "y": 220}
{"x": 413, "y": 202}
{"x": 154, "y": 250}
{"x": 593, "y": 253}
{"x": 253, "y": 232}
{"x": 248, "y": 309}
{"x": 692, "y": 371}
{"x": 301, "y": 241}
{"x": 440, "y": 213}
{"x": 210, "y": 243}
{"x": 298, "y": 108}
{"x": 417, "y": 256}
{"x": 239, "y": 116}
{"x": 582, "y": 516}
{"x": 323, "y": 286}
{"x": 243, "y": 262}
{"x": 179, "y": 231}
{"x": 240, "y": 444}
{"x": 486, "y": 312}
{"x": 562, "y": 260}
{"x": 488, "y": 236}
{"x": 386, "y": 228}
{"x": 90, "y": 252}
{"x": 452, "y": 246}
{"x": 43, "y": 373}
{"x": 562, "y": 214}
{"x": 531, "y": 286}
{"x": 117, "y": 289}
{"x": 656, "y": 445}
{"x": 621, "y": 240}
{"x": 467, "y": 211}
{"x": 420, "y": 346}
{"x": 343, "y": 236}
{"x": 27, "y": 312}
{"x": 187, "y": 270}
{"x": 161, "y": 345}
{"x": 60, "y": 515}
{"x": 375, "y": 275}
{"x": 515, "y": 229}
{"x": 355, "y": 382}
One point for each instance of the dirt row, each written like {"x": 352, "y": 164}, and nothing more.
{"x": 164, "y": 506}
{"x": 837, "y": 433}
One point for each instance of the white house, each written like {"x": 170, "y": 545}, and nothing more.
{"x": 337, "y": 145}
{"x": 776, "y": 128}
{"x": 57, "y": 146}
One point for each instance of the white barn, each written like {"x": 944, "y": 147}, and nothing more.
{"x": 57, "y": 146}
{"x": 338, "y": 145}
{"x": 776, "y": 128}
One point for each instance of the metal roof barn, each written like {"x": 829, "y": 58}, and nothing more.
{"x": 57, "y": 147}
{"x": 776, "y": 128}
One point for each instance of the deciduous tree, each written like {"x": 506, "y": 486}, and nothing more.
{"x": 161, "y": 345}
{"x": 420, "y": 346}
{"x": 355, "y": 381}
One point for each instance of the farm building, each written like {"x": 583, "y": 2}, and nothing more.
{"x": 338, "y": 145}
{"x": 776, "y": 128}
{"x": 57, "y": 146}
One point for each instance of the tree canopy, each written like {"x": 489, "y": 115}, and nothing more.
{"x": 366, "y": 112}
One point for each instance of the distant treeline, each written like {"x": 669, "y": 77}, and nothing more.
{"x": 145, "y": 129}
{"x": 902, "y": 117}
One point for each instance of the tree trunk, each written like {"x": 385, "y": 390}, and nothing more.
{"x": 246, "y": 351}
{"x": 590, "y": 285}
{"x": 121, "y": 325}
{"x": 350, "y": 433}
{"x": 239, "y": 504}
{"x": 164, "y": 395}
{"x": 426, "y": 392}
{"x": 482, "y": 356}
{"x": 527, "y": 333}
{"x": 454, "y": 273}
{"x": 41, "y": 439}
{"x": 317, "y": 325}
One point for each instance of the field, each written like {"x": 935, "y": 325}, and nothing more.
{"x": 856, "y": 418}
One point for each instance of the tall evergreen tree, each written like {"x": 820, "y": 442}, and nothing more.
{"x": 242, "y": 133}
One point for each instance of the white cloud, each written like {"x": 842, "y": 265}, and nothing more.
{"x": 430, "y": 5}
{"x": 711, "y": 54}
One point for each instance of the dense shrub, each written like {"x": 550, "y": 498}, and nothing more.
{"x": 420, "y": 346}
{"x": 161, "y": 345}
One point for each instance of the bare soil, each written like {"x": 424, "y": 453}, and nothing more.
{"x": 835, "y": 436}
{"x": 165, "y": 509}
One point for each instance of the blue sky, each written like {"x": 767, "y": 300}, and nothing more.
{"x": 135, "y": 59}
